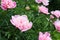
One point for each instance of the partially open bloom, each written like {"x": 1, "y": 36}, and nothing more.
{"x": 38, "y": 1}
{"x": 45, "y": 2}
{"x": 51, "y": 16}
{"x": 5, "y": 4}
{"x": 57, "y": 25}
{"x": 21, "y": 22}
{"x": 45, "y": 36}
{"x": 56, "y": 13}
{"x": 43, "y": 9}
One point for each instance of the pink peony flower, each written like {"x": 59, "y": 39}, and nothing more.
{"x": 43, "y": 9}
{"x": 38, "y": 1}
{"x": 51, "y": 16}
{"x": 5, "y": 4}
{"x": 21, "y": 22}
{"x": 56, "y": 13}
{"x": 57, "y": 25}
{"x": 45, "y": 36}
{"x": 45, "y": 2}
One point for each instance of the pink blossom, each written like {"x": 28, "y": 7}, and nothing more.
{"x": 45, "y": 2}
{"x": 21, "y": 22}
{"x": 56, "y": 13}
{"x": 45, "y": 36}
{"x": 5, "y": 4}
{"x": 57, "y": 25}
{"x": 43, "y": 9}
{"x": 38, "y": 1}
{"x": 51, "y": 16}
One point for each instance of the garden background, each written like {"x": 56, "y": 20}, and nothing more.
{"x": 40, "y": 23}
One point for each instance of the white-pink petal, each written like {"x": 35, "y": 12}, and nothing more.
{"x": 56, "y": 13}
{"x": 57, "y": 25}
{"x": 43, "y": 9}
{"x": 5, "y": 4}
{"x": 44, "y": 36}
{"x": 45, "y": 2}
{"x": 21, "y": 22}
